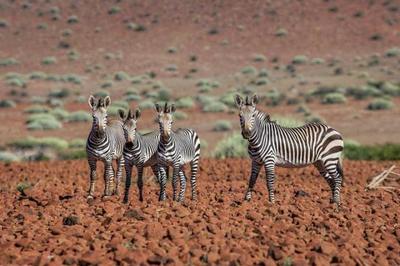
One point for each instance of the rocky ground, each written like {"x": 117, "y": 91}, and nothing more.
{"x": 50, "y": 222}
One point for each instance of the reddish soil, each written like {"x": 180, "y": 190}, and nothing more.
{"x": 54, "y": 224}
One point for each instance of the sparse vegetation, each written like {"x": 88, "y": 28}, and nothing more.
{"x": 214, "y": 107}
{"x": 72, "y": 20}
{"x": 185, "y": 102}
{"x": 48, "y": 142}
{"x": 259, "y": 58}
{"x": 281, "y": 32}
{"x": 249, "y": 70}
{"x": 333, "y": 98}
{"x": 393, "y": 52}
{"x": 222, "y": 125}
{"x": 49, "y": 60}
{"x": 8, "y": 62}
{"x": 286, "y": 121}
{"x": 179, "y": 115}
{"x": 8, "y": 157}
{"x": 147, "y": 104}
{"x": 377, "y": 152}
{"x": 233, "y": 146}
{"x": 380, "y": 104}
{"x": 7, "y": 104}
{"x": 43, "y": 121}
{"x": 79, "y": 116}
{"x": 300, "y": 59}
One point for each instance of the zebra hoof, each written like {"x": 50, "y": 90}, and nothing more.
{"x": 106, "y": 198}
{"x": 90, "y": 199}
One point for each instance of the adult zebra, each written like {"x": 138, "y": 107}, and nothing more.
{"x": 175, "y": 149}
{"x": 105, "y": 143}
{"x": 140, "y": 150}
{"x": 271, "y": 144}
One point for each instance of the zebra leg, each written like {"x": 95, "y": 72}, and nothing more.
{"x": 194, "y": 165}
{"x": 175, "y": 174}
{"x": 183, "y": 185}
{"x": 128, "y": 170}
{"x": 337, "y": 177}
{"x": 255, "y": 170}
{"x": 120, "y": 165}
{"x": 163, "y": 182}
{"x": 325, "y": 174}
{"x": 140, "y": 181}
{"x": 108, "y": 178}
{"x": 270, "y": 177}
{"x": 93, "y": 177}
{"x": 156, "y": 174}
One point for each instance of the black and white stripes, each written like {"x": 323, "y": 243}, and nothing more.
{"x": 271, "y": 144}
{"x": 105, "y": 143}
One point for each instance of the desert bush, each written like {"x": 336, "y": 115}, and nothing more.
{"x": 77, "y": 143}
{"x": 137, "y": 80}
{"x": 49, "y": 60}
{"x": 72, "y": 20}
{"x": 59, "y": 93}
{"x": 60, "y": 113}
{"x": 72, "y": 154}
{"x": 8, "y": 157}
{"x": 73, "y": 55}
{"x": 380, "y": 104}
{"x": 7, "y": 104}
{"x": 205, "y": 99}
{"x": 179, "y": 115}
{"x": 136, "y": 27}
{"x": 363, "y": 92}
{"x": 121, "y": 75}
{"x": 120, "y": 104}
{"x": 249, "y": 70}
{"x": 274, "y": 97}
{"x": 281, "y": 32}
{"x": 376, "y": 152}
{"x": 114, "y": 10}
{"x": 333, "y": 98}
{"x": 233, "y": 146}
{"x": 286, "y": 121}
{"x": 131, "y": 91}
{"x": 42, "y": 26}
{"x": 261, "y": 81}
{"x": 263, "y": 73}
{"x": 317, "y": 61}
{"x": 107, "y": 84}
{"x": 79, "y": 116}
{"x": 3, "y": 23}
{"x": 171, "y": 68}
{"x": 147, "y": 104}
{"x": 214, "y": 107}
{"x": 393, "y": 52}
{"x": 101, "y": 93}
{"x": 389, "y": 88}
{"x": 228, "y": 98}
{"x": 259, "y": 58}
{"x": 66, "y": 33}
{"x": 37, "y": 109}
{"x": 164, "y": 95}
{"x": 172, "y": 50}
{"x": 300, "y": 59}
{"x": 37, "y": 75}
{"x": 185, "y": 102}
{"x": 47, "y": 142}
{"x": 132, "y": 97}
{"x": 151, "y": 95}
{"x": 72, "y": 78}
{"x": 8, "y": 62}
{"x": 222, "y": 125}
{"x": 43, "y": 121}
{"x": 314, "y": 118}
{"x": 16, "y": 82}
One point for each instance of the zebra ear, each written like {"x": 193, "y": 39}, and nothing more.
{"x": 238, "y": 100}
{"x": 172, "y": 108}
{"x": 158, "y": 108}
{"x": 92, "y": 101}
{"x": 254, "y": 100}
{"x": 137, "y": 113}
{"x": 107, "y": 101}
{"x": 129, "y": 114}
{"x": 121, "y": 114}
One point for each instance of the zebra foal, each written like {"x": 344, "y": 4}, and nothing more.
{"x": 271, "y": 144}
{"x": 105, "y": 143}
{"x": 140, "y": 150}
{"x": 175, "y": 149}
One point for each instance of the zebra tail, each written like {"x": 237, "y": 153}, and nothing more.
{"x": 339, "y": 168}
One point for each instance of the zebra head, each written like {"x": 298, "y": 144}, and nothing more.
{"x": 99, "y": 113}
{"x": 165, "y": 119}
{"x": 130, "y": 126}
{"x": 247, "y": 112}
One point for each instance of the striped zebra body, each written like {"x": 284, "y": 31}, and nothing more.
{"x": 180, "y": 148}
{"x": 272, "y": 145}
{"x": 105, "y": 143}
{"x": 140, "y": 153}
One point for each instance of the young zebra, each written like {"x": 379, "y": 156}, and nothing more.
{"x": 175, "y": 149}
{"x": 271, "y": 144}
{"x": 140, "y": 150}
{"x": 105, "y": 143}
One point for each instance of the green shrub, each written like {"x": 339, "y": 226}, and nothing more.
{"x": 77, "y": 143}
{"x": 179, "y": 115}
{"x": 72, "y": 20}
{"x": 37, "y": 75}
{"x": 300, "y": 59}
{"x": 324, "y": 90}
{"x": 333, "y": 98}
{"x": 363, "y": 92}
{"x": 389, "y": 88}
{"x": 249, "y": 70}
{"x": 222, "y": 125}
{"x": 313, "y": 118}
{"x": 114, "y": 10}
{"x": 185, "y": 102}
{"x": 380, "y": 104}
{"x": 42, "y": 122}
{"x": 164, "y": 95}
{"x": 7, "y": 104}
{"x": 53, "y": 102}
{"x": 101, "y": 93}
{"x": 286, "y": 121}
{"x": 136, "y": 27}
{"x": 214, "y": 107}
{"x": 261, "y": 81}
{"x": 79, "y": 116}
{"x": 281, "y": 32}
{"x": 263, "y": 73}
{"x": 16, "y": 82}
{"x": 393, "y": 52}
{"x": 8, "y": 157}
{"x": 147, "y": 104}
{"x": 3, "y": 23}
{"x": 132, "y": 97}
{"x": 37, "y": 109}
{"x": 137, "y": 80}
{"x": 47, "y": 142}
{"x": 377, "y": 152}
{"x": 228, "y": 98}
{"x": 121, "y": 75}
{"x": 72, "y": 154}
{"x": 66, "y": 32}
{"x": 259, "y": 58}
{"x": 107, "y": 84}
{"x": 205, "y": 99}
{"x": 49, "y": 60}
{"x": 73, "y": 55}
{"x": 131, "y": 91}
{"x": 60, "y": 113}
{"x": 274, "y": 97}
{"x": 59, "y": 93}
{"x": 172, "y": 50}
{"x": 317, "y": 61}
{"x": 8, "y": 62}
{"x": 171, "y": 68}
{"x": 233, "y": 146}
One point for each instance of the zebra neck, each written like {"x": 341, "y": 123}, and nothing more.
{"x": 256, "y": 132}
{"x": 166, "y": 140}
{"x": 97, "y": 137}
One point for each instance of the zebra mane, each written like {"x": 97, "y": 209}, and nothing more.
{"x": 264, "y": 117}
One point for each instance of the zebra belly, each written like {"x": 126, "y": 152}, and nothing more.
{"x": 286, "y": 164}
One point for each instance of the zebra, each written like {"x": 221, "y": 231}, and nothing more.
{"x": 105, "y": 143}
{"x": 175, "y": 149}
{"x": 140, "y": 150}
{"x": 271, "y": 144}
